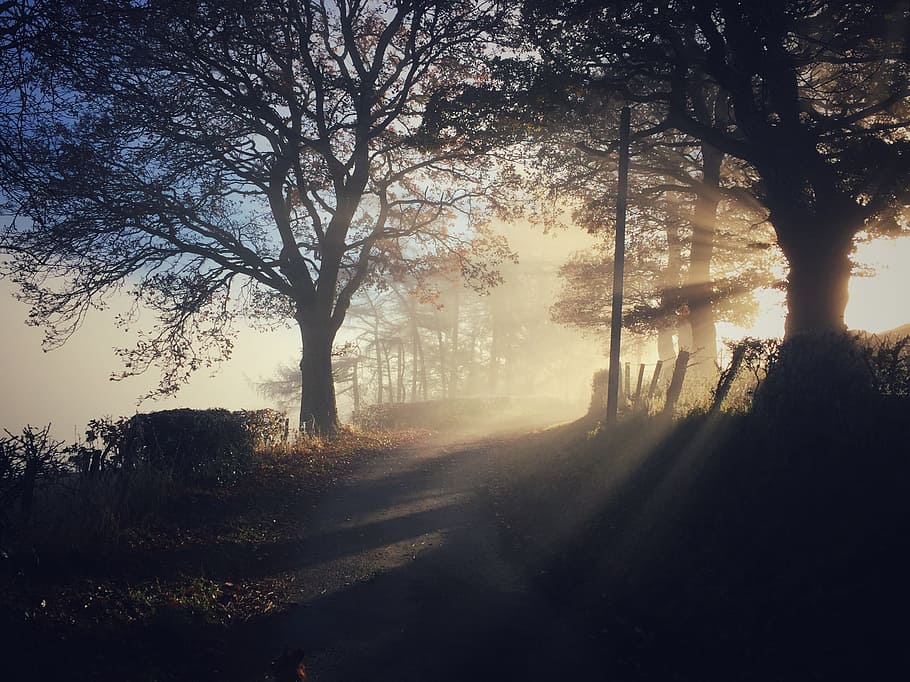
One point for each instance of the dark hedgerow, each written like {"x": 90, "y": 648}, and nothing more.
{"x": 193, "y": 446}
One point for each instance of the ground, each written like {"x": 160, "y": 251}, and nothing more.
{"x": 404, "y": 576}
{"x": 394, "y": 566}
{"x": 699, "y": 550}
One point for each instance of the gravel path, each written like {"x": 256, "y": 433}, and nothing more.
{"x": 403, "y": 577}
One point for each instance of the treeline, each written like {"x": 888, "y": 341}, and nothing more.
{"x": 438, "y": 339}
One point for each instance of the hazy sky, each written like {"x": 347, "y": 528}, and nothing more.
{"x": 71, "y": 385}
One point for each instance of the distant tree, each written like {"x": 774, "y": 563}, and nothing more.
{"x": 560, "y": 131}
{"x": 817, "y": 95}
{"x": 688, "y": 245}
{"x": 235, "y": 158}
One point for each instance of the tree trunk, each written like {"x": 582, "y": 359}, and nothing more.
{"x": 318, "y": 410}
{"x": 378, "y": 345}
{"x": 493, "y": 381}
{"x": 684, "y": 334}
{"x": 453, "y": 358}
{"x": 424, "y": 386}
{"x": 670, "y": 295}
{"x": 355, "y": 386}
{"x": 665, "y": 349}
{"x": 442, "y": 360}
{"x": 817, "y": 286}
{"x": 415, "y": 367}
{"x": 400, "y": 370}
{"x": 388, "y": 369}
{"x": 699, "y": 287}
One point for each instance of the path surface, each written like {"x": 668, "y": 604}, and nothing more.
{"x": 403, "y": 577}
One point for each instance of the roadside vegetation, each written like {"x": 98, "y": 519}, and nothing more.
{"x": 156, "y": 555}
{"x": 763, "y": 541}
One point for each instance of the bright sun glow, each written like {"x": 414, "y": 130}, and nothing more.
{"x": 878, "y": 303}
{"x": 881, "y": 302}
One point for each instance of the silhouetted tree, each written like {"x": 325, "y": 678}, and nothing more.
{"x": 230, "y": 158}
{"x": 817, "y": 96}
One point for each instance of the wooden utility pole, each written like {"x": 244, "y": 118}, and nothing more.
{"x": 619, "y": 258}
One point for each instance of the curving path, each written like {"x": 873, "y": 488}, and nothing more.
{"x": 403, "y": 577}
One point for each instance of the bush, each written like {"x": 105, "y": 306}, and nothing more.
{"x": 192, "y": 446}
{"x": 269, "y": 428}
{"x": 26, "y": 461}
{"x": 889, "y": 360}
{"x": 599, "y": 382}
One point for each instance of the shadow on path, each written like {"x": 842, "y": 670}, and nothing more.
{"x": 404, "y": 577}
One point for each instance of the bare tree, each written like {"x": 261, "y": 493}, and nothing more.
{"x": 255, "y": 158}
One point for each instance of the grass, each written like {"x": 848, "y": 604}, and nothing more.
{"x": 725, "y": 547}
{"x": 96, "y": 574}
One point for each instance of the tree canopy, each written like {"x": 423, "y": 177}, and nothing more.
{"x": 816, "y": 97}
{"x": 235, "y": 157}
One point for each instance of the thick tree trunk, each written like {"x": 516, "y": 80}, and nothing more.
{"x": 665, "y": 348}
{"x": 670, "y": 296}
{"x": 699, "y": 287}
{"x": 817, "y": 285}
{"x": 684, "y": 335}
{"x": 318, "y": 410}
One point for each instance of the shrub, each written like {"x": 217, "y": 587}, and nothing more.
{"x": 192, "y": 446}
{"x": 269, "y": 428}
{"x": 599, "y": 381}
{"x": 889, "y": 361}
{"x": 26, "y": 461}
{"x": 750, "y": 359}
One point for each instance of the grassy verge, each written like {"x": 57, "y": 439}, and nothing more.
{"x": 721, "y": 547}
{"x": 98, "y": 595}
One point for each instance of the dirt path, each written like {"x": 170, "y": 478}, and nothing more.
{"x": 403, "y": 577}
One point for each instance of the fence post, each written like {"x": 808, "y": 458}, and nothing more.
{"x": 652, "y": 389}
{"x": 676, "y": 383}
{"x": 727, "y": 377}
{"x": 641, "y": 377}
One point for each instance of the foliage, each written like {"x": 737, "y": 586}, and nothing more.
{"x": 230, "y": 159}
{"x": 599, "y": 385}
{"x": 27, "y": 460}
{"x": 268, "y": 428}
{"x": 106, "y": 432}
{"x": 813, "y": 375}
{"x": 649, "y": 302}
{"x": 813, "y": 97}
{"x": 193, "y": 446}
{"x": 127, "y": 554}
{"x": 890, "y": 363}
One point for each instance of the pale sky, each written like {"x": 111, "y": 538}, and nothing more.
{"x": 71, "y": 385}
